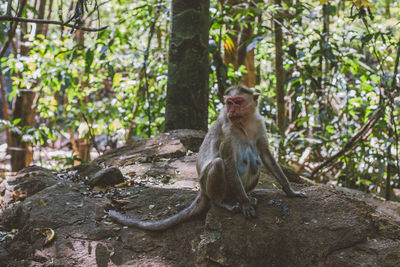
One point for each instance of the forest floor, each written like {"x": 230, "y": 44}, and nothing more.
{"x": 331, "y": 227}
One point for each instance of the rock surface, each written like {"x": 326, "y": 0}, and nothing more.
{"x": 329, "y": 228}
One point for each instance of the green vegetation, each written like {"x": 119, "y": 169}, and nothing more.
{"x": 340, "y": 59}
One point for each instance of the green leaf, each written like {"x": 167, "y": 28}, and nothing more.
{"x": 16, "y": 121}
{"x": 330, "y": 9}
{"x": 89, "y": 60}
{"x": 366, "y": 38}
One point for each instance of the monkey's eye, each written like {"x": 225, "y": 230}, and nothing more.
{"x": 229, "y": 102}
{"x": 238, "y": 102}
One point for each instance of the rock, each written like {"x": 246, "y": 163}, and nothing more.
{"x": 328, "y": 228}
{"x": 169, "y": 145}
{"x": 107, "y": 176}
{"x": 325, "y": 229}
{"x": 27, "y": 182}
{"x": 102, "y": 255}
{"x": 14, "y": 217}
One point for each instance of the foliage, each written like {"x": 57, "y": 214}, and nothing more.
{"x": 336, "y": 80}
{"x": 326, "y": 107}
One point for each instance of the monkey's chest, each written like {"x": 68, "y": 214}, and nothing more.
{"x": 248, "y": 161}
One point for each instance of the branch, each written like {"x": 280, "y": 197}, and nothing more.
{"x": 13, "y": 28}
{"x": 45, "y": 21}
{"x": 354, "y": 140}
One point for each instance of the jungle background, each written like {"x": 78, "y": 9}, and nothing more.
{"x": 96, "y": 75}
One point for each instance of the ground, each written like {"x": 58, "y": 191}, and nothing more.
{"x": 329, "y": 228}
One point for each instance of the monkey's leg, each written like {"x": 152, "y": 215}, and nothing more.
{"x": 216, "y": 186}
{"x": 276, "y": 170}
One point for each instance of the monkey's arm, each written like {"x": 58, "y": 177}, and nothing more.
{"x": 271, "y": 164}
{"x": 234, "y": 182}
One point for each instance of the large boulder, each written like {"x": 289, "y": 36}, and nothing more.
{"x": 328, "y": 228}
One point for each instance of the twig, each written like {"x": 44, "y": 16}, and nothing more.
{"x": 45, "y": 21}
{"x": 91, "y": 134}
{"x": 13, "y": 28}
{"x": 95, "y": 9}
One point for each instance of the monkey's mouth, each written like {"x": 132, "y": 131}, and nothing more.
{"x": 234, "y": 117}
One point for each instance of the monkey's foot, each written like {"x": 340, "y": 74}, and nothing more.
{"x": 249, "y": 210}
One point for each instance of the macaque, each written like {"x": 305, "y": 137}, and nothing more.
{"x": 228, "y": 163}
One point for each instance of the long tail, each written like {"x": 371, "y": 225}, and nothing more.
{"x": 199, "y": 205}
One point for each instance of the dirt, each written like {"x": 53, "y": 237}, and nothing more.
{"x": 329, "y": 228}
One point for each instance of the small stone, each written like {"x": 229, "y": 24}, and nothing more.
{"x": 108, "y": 176}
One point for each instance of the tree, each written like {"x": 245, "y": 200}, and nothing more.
{"x": 236, "y": 47}
{"x": 25, "y": 103}
{"x": 279, "y": 70}
{"x": 188, "y": 67}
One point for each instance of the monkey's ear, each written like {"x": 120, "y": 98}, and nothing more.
{"x": 255, "y": 97}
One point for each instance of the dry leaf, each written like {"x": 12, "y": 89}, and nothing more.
{"x": 99, "y": 188}
{"x": 49, "y": 233}
{"x": 17, "y": 195}
{"x": 42, "y": 202}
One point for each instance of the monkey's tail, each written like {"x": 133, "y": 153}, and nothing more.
{"x": 199, "y": 205}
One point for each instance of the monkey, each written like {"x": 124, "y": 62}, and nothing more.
{"x": 228, "y": 163}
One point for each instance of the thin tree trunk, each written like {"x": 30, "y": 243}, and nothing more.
{"x": 46, "y": 26}
{"x": 11, "y": 35}
{"x": 388, "y": 187}
{"x": 25, "y": 109}
{"x": 247, "y": 58}
{"x": 41, "y": 12}
{"x": 387, "y": 8}
{"x": 188, "y": 66}
{"x": 236, "y": 53}
{"x": 279, "y": 71}
{"x": 5, "y": 106}
{"x": 324, "y": 61}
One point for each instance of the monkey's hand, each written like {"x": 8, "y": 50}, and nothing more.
{"x": 296, "y": 194}
{"x": 249, "y": 210}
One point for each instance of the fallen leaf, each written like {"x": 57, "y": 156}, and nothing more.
{"x": 42, "y": 202}
{"x": 49, "y": 233}
{"x": 122, "y": 201}
{"x": 131, "y": 173}
{"x": 99, "y": 188}
{"x": 17, "y": 195}
{"x": 121, "y": 185}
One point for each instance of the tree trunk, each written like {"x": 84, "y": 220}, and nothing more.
{"x": 387, "y": 8}
{"x": 324, "y": 61}
{"x": 25, "y": 109}
{"x": 279, "y": 71}
{"x": 188, "y": 67}
{"x": 247, "y": 58}
{"x": 41, "y": 8}
{"x": 4, "y": 105}
{"x": 46, "y": 26}
{"x": 236, "y": 54}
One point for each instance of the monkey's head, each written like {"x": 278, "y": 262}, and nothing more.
{"x": 240, "y": 102}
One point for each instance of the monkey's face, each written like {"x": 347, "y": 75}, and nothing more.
{"x": 236, "y": 106}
